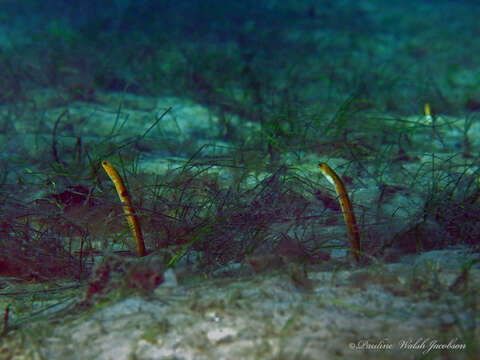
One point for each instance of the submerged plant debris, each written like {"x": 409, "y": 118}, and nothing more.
{"x": 215, "y": 115}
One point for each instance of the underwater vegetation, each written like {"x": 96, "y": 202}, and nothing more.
{"x": 288, "y": 142}
{"x": 216, "y": 210}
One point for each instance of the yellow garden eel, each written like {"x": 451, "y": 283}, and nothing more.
{"x": 428, "y": 113}
{"x": 347, "y": 209}
{"x": 127, "y": 206}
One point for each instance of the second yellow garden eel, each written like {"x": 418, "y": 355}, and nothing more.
{"x": 347, "y": 209}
